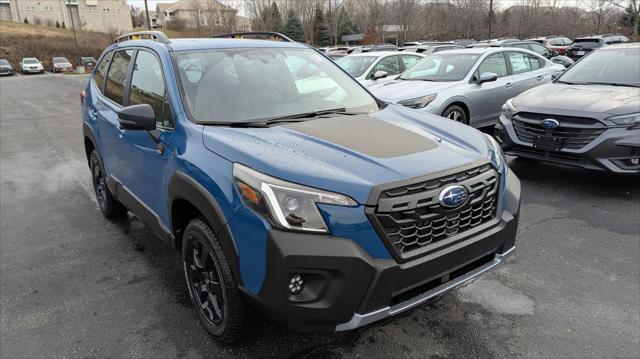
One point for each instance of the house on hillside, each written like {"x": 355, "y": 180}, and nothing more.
{"x": 198, "y": 14}
{"x": 90, "y": 15}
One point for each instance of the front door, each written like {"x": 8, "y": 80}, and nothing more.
{"x": 145, "y": 154}
{"x": 488, "y": 98}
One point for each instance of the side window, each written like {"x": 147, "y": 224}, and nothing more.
{"x": 408, "y": 60}
{"x": 519, "y": 63}
{"x": 539, "y": 49}
{"x": 117, "y": 77}
{"x": 494, "y": 63}
{"x": 521, "y": 46}
{"x": 534, "y": 62}
{"x": 389, "y": 64}
{"x": 147, "y": 86}
{"x": 101, "y": 70}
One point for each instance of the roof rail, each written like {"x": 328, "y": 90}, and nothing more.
{"x": 240, "y": 35}
{"x": 138, "y": 35}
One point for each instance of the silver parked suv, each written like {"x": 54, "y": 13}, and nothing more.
{"x": 468, "y": 85}
{"x": 588, "y": 117}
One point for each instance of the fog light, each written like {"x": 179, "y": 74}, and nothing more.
{"x": 634, "y": 161}
{"x": 296, "y": 284}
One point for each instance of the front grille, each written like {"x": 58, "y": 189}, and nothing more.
{"x": 573, "y": 132}
{"x": 413, "y": 221}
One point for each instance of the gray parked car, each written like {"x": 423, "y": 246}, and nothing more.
{"x": 589, "y": 117}
{"x": 5, "y": 67}
{"x": 468, "y": 85}
{"x": 371, "y": 68}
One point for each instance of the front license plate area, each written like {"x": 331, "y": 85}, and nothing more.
{"x": 547, "y": 143}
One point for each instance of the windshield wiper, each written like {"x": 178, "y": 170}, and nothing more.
{"x": 265, "y": 122}
{"x": 611, "y": 84}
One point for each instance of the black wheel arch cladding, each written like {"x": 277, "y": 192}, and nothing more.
{"x": 183, "y": 187}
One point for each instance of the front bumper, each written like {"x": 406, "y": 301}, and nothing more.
{"x": 345, "y": 288}
{"x": 32, "y": 70}
{"x": 610, "y": 151}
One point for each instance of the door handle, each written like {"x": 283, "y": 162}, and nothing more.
{"x": 508, "y": 85}
{"x": 539, "y": 78}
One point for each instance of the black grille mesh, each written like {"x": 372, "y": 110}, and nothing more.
{"x": 574, "y": 132}
{"x": 412, "y": 217}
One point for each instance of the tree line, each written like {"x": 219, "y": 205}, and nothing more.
{"x": 324, "y": 22}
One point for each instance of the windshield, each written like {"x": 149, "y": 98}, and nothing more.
{"x": 442, "y": 67}
{"x": 59, "y": 60}
{"x": 356, "y": 65}
{"x": 30, "y": 61}
{"x": 610, "y": 66}
{"x": 4, "y": 62}
{"x": 254, "y": 84}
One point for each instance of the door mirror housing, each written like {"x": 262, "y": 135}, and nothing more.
{"x": 554, "y": 53}
{"x": 379, "y": 75}
{"x": 137, "y": 117}
{"x": 487, "y": 77}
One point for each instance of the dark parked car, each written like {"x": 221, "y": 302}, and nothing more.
{"x": 293, "y": 192}
{"x": 583, "y": 45}
{"x": 588, "y": 117}
{"x": 5, "y": 68}
{"x": 88, "y": 61}
{"x": 556, "y": 43}
{"x": 542, "y": 50}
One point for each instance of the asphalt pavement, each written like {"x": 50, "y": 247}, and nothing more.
{"x": 73, "y": 284}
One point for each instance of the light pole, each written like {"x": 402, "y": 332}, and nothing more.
{"x": 73, "y": 25}
{"x": 146, "y": 10}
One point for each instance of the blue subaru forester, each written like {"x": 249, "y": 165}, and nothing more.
{"x": 287, "y": 186}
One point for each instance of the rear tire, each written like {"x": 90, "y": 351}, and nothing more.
{"x": 214, "y": 293}
{"x": 109, "y": 206}
{"x": 456, "y": 113}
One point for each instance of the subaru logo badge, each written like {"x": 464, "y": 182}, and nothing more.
{"x": 453, "y": 196}
{"x": 550, "y": 123}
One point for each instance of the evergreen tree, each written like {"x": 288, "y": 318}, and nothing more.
{"x": 345, "y": 24}
{"x": 293, "y": 28}
{"x": 321, "y": 34}
{"x": 64, "y": 26}
{"x": 57, "y": 24}
{"x": 26, "y": 21}
{"x": 275, "y": 18}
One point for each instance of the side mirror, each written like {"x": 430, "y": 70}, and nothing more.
{"x": 554, "y": 76}
{"x": 487, "y": 77}
{"x": 379, "y": 75}
{"x": 137, "y": 117}
{"x": 554, "y": 53}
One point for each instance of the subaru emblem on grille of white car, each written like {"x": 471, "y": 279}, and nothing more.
{"x": 453, "y": 196}
{"x": 550, "y": 123}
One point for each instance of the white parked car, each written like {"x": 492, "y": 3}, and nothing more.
{"x": 31, "y": 65}
{"x": 468, "y": 85}
{"x": 372, "y": 68}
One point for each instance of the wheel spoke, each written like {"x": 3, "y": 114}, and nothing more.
{"x": 216, "y": 306}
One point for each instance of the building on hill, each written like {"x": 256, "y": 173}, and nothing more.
{"x": 199, "y": 14}
{"x": 90, "y": 15}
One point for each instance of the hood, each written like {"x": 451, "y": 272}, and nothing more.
{"x": 399, "y": 90}
{"x": 351, "y": 153}
{"x": 581, "y": 100}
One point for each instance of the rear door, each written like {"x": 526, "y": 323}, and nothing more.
{"x": 106, "y": 109}
{"x": 526, "y": 72}
{"x": 487, "y": 99}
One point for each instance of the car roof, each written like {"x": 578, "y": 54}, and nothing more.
{"x": 628, "y": 45}
{"x": 184, "y": 44}
{"x": 375, "y": 53}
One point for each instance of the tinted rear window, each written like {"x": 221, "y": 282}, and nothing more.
{"x": 587, "y": 43}
{"x": 117, "y": 77}
{"x": 101, "y": 70}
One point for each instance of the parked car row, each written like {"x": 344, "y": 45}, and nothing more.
{"x": 30, "y": 65}
{"x": 588, "y": 115}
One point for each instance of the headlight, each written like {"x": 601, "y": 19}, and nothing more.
{"x": 285, "y": 204}
{"x": 419, "y": 102}
{"x": 495, "y": 155}
{"x": 631, "y": 119}
{"x": 508, "y": 108}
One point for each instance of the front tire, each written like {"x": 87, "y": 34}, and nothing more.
{"x": 456, "y": 113}
{"x": 109, "y": 206}
{"x": 214, "y": 293}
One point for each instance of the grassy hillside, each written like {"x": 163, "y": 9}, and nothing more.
{"x": 19, "y": 40}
